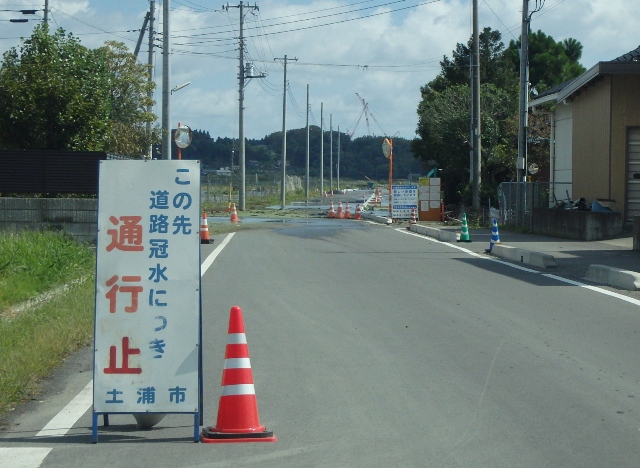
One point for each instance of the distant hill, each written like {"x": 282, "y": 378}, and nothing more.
{"x": 358, "y": 157}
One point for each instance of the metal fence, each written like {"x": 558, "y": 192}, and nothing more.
{"x": 517, "y": 200}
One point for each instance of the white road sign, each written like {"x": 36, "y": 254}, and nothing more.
{"x": 147, "y": 314}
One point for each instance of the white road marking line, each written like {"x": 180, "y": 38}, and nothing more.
{"x": 16, "y": 457}
{"x": 69, "y": 415}
{"x": 212, "y": 256}
{"x": 628, "y": 299}
{"x": 62, "y": 422}
{"x": 597, "y": 289}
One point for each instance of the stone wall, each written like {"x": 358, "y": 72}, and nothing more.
{"x": 74, "y": 216}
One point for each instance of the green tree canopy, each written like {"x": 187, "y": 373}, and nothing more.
{"x": 443, "y": 125}
{"x": 128, "y": 87}
{"x": 53, "y": 94}
{"x": 493, "y": 65}
{"x": 550, "y": 63}
{"x": 444, "y": 112}
{"x": 57, "y": 94}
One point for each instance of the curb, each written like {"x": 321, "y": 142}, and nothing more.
{"x": 623, "y": 279}
{"x": 517, "y": 254}
{"x": 610, "y": 276}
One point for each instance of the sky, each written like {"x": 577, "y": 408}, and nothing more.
{"x": 377, "y": 51}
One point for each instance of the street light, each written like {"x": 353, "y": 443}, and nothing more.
{"x": 179, "y": 87}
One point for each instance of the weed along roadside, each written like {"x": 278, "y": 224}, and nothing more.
{"x": 46, "y": 309}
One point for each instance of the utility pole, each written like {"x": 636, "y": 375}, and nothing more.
{"x": 306, "y": 191}
{"x": 321, "y": 150}
{"x": 46, "y": 12}
{"x": 152, "y": 12}
{"x": 338, "y": 165}
{"x": 242, "y": 75}
{"x": 331, "y": 153}
{"x": 136, "y": 51}
{"x": 475, "y": 137}
{"x": 166, "y": 67}
{"x": 283, "y": 185}
{"x": 524, "y": 93}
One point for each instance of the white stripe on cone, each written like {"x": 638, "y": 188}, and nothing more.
{"x": 237, "y": 363}
{"x": 236, "y": 338}
{"x": 240, "y": 389}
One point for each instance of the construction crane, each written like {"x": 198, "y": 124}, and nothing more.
{"x": 365, "y": 112}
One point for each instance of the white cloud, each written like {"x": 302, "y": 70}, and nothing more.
{"x": 336, "y": 60}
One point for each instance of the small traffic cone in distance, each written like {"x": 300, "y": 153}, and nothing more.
{"x": 347, "y": 212}
{"x": 495, "y": 236}
{"x": 358, "y": 214}
{"x": 205, "y": 238}
{"x": 413, "y": 219}
{"x": 464, "y": 231}
{"x": 234, "y": 214}
{"x": 340, "y": 213}
{"x": 332, "y": 212}
{"x": 238, "y": 419}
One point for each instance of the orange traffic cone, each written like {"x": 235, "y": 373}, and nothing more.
{"x": 204, "y": 230}
{"x": 413, "y": 219}
{"x": 238, "y": 419}
{"x": 347, "y": 212}
{"x": 332, "y": 213}
{"x": 234, "y": 214}
{"x": 358, "y": 214}
{"x": 340, "y": 213}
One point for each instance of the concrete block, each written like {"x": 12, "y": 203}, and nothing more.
{"x": 504, "y": 251}
{"x": 443, "y": 235}
{"x": 529, "y": 257}
{"x": 623, "y": 279}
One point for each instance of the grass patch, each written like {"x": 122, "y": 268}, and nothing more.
{"x": 32, "y": 263}
{"x": 38, "y": 336}
{"x": 36, "y": 341}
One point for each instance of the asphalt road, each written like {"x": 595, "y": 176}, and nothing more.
{"x": 373, "y": 347}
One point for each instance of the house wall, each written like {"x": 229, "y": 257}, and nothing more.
{"x": 563, "y": 150}
{"x": 625, "y": 102}
{"x": 591, "y": 161}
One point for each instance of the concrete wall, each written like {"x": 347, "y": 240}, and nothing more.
{"x": 575, "y": 224}
{"x": 75, "y": 216}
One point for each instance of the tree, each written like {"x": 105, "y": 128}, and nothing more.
{"x": 444, "y": 112}
{"x": 443, "y": 125}
{"x": 128, "y": 88}
{"x": 493, "y": 65}
{"x": 53, "y": 95}
{"x": 550, "y": 63}
{"x": 57, "y": 94}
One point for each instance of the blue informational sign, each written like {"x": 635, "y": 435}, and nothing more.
{"x": 403, "y": 199}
